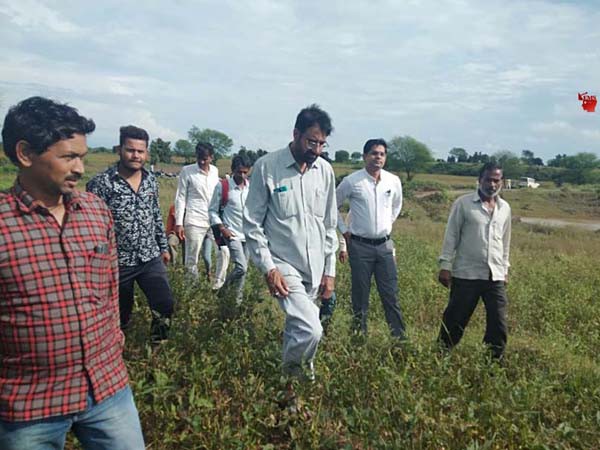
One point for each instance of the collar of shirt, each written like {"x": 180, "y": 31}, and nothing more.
{"x": 211, "y": 169}
{"x": 27, "y": 204}
{"x": 113, "y": 172}
{"x": 500, "y": 202}
{"x": 234, "y": 185}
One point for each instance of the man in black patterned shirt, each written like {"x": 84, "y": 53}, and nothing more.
{"x": 131, "y": 192}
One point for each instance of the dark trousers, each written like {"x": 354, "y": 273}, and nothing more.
{"x": 464, "y": 296}
{"x": 152, "y": 278}
{"x": 367, "y": 260}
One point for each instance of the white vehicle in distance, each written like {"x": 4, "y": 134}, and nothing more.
{"x": 527, "y": 182}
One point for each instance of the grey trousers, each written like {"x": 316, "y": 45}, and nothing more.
{"x": 464, "y": 296}
{"x": 367, "y": 260}
{"x": 303, "y": 328}
{"x": 237, "y": 276}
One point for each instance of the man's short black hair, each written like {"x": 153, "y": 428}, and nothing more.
{"x": 490, "y": 166}
{"x": 41, "y": 122}
{"x": 373, "y": 143}
{"x": 204, "y": 148}
{"x": 132, "y": 132}
{"x": 240, "y": 161}
{"x": 313, "y": 115}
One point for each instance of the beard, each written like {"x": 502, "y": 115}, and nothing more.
{"x": 490, "y": 192}
{"x": 309, "y": 157}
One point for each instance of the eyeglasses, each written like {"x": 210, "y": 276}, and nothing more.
{"x": 312, "y": 144}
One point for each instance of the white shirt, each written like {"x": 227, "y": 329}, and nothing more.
{"x": 374, "y": 206}
{"x": 477, "y": 242}
{"x": 193, "y": 195}
{"x": 290, "y": 219}
{"x": 232, "y": 211}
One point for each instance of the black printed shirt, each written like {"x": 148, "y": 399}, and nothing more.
{"x": 138, "y": 222}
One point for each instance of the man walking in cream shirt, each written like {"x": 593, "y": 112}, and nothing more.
{"x": 474, "y": 261}
{"x": 375, "y": 197}
{"x": 289, "y": 222}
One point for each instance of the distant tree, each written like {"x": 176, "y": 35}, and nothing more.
{"x": 557, "y": 161}
{"x": 184, "y": 148}
{"x": 581, "y": 161}
{"x": 460, "y": 154}
{"x": 219, "y": 140}
{"x": 479, "y": 157}
{"x": 100, "y": 150}
{"x": 407, "y": 154}
{"x": 356, "y": 156}
{"x": 253, "y": 155}
{"x": 528, "y": 158}
{"x": 342, "y": 156}
{"x": 512, "y": 166}
{"x": 451, "y": 159}
{"x": 160, "y": 151}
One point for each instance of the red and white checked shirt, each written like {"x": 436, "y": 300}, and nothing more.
{"x": 59, "y": 313}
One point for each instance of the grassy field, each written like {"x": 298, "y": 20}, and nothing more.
{"x": 216, "y": 384}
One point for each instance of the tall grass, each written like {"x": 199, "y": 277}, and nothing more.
{"x": 216, "y": 383}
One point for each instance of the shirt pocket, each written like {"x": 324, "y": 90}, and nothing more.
{"x": 386, "y": 199}
{"x": 285, "y": 203}
{"x": 319, "y": 203}
{"x": 100, "y": 266}
{"x": 497, "y": 231}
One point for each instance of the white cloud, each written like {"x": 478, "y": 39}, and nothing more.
{"x": 450, "y": 72}
{"x": 32, "y": 14}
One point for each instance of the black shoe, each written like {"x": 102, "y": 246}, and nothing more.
{"x": 159, "y": 327}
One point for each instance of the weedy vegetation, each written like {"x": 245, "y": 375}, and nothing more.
{"x": 216, "y": 384}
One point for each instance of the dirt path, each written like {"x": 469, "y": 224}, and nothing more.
{"x": 585, "y": 225}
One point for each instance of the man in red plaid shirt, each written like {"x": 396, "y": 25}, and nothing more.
{"x": 61, "y": 366}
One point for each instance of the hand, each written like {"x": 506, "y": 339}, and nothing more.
{"x": 227, "y": 233}
{"x": 179, "y": 232}
{"x": 277, "y": 285}
{"x": 506, "y": 279}
{"x": 327, "y": 286}
{"x": 445, "y": 277}
{"x": 343, "y": 257}
{"x": 347, "y": 237}
{"x": 166, "y": 257}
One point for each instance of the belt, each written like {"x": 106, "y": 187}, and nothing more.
{"x": 378, "y": 241}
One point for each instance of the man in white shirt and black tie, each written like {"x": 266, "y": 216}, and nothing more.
{"x": 375, "y": 197}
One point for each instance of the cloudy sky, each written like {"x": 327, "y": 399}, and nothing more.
{"x": 484, "y": 75}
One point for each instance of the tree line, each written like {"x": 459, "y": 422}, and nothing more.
{"x": 406, "y": 154}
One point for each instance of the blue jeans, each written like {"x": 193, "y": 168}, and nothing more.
{"x": 112, "y": 424}
{"x": 237, "y": 277}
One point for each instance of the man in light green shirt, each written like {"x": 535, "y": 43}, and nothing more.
{"x": 475, "y": 260}
{"x": 290, "y": 218}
